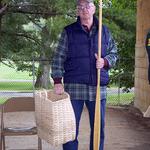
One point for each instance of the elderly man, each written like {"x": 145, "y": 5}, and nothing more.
{"x": 76, "y": 62}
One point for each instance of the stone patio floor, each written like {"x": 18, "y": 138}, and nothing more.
{"x": 124, "y": 131}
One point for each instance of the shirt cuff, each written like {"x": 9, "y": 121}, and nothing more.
{"x": 106, "y": 63}
{"x": 57, "y": 80}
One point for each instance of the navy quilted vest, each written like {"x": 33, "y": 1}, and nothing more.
{"x": 80, "y": 65}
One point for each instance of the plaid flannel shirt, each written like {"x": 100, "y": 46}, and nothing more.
{"x": 80, "y": 91}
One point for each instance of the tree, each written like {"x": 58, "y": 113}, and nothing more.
{"x": 120, "y": 17}
{"x": 30, "y": 29}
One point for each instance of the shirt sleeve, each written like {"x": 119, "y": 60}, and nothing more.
{"x": 112, "y": 55}
{"x": 57, "y": 66}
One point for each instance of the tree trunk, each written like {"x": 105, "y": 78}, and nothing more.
{"x": 43, "y": 79}
{"x": 43, "y": 76}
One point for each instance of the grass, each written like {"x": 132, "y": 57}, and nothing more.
{"x": 123, "y": 99}
{"x": 8, "y": 73}
{"x": 12, "y": 74}
{"x": 2, "y": 100}
{"x": 16, "y": 86}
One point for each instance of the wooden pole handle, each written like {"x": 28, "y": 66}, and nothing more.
{"x": 97, "y": 121}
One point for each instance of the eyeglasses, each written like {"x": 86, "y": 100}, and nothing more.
{"x": 82, "y": 7}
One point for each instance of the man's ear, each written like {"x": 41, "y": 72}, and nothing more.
{"x": 77, "y": 12}
{"x": 93, "y": 9}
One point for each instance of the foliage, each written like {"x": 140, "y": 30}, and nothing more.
{"x": 21, "y": 43}
{"x": 120, "y": 17}
{"x": 30, "y": 28}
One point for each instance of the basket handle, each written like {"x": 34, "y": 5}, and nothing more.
{"x": 40, "y": 94}
{"x": 45, "y": 92}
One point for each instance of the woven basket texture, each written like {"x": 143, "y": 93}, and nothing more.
{"x": 54, "y": 117}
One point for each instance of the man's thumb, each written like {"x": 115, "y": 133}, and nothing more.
{"x": 96, "y": 56}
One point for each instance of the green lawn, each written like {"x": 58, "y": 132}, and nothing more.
{"x": 2, "y": 100}
{"x": 8, "y": 73}
{"x": 124, "y": 99}
{"x": 16, "y": 86}
{"x": 12, "y": 74}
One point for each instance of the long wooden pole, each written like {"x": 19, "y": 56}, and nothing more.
{"x": 97, "y": 121}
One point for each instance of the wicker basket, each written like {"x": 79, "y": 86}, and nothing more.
{"x": 54, "y": 117}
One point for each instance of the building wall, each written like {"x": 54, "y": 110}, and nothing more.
{"x": 142, "y": 86}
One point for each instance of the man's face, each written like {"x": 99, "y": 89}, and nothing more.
{"x": 85, "y": 10}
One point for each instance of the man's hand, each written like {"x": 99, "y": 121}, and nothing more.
{"x": 99, "y": 62}
{"x": 58, "y": 88}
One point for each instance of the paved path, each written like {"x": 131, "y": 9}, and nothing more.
{"x": 17, "y": 80}
{"x": 15, "y": 94}
{"x": 124, "y": 131}
{"x": 6, "y": 93}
